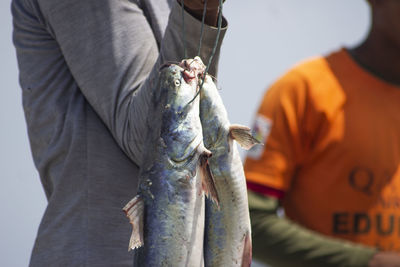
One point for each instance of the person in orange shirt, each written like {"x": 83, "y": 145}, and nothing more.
{"x": 331, "y": 159}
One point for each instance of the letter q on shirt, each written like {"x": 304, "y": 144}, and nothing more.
{"x": 261, "y": 129}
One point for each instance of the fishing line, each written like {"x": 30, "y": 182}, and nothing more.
{"x": 202, "y": 27}
{"x": 214, "y": 48}
{"x": 217, "y": 37}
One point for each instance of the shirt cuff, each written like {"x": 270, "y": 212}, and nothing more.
{"x": 193, "y": 31}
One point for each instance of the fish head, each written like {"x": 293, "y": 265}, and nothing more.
{"x": 178, "y": 89}
{"x": 181, "y": 83}
{"x": 217, "y": 130}
{"x": 214, "y": 116}
{"x": 181, "y": 130}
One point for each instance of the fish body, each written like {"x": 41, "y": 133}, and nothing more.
{"x": 167, "y": 215}
{"x": 227, "y": 227}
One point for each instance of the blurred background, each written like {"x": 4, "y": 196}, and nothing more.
{"x": 265, "y": 38}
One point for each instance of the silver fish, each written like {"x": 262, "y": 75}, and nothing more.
{"x": 227, "y": 227}
{"x": 167, "y": 215}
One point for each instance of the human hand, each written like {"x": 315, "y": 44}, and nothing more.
{"x": 195, "y": 7}
{"x": 385, "y": 259}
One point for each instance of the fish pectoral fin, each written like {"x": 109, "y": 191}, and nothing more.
{"x": 247, "y": 251}
{"x": 207, "y": 179}
{"x": 242, "y": 135}
{"x": 134, "y": 210}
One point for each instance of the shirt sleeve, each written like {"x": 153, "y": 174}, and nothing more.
{"x": 280, "y": 242}
{"x": 114, "y": 57}
{"x": 278, "y": 125}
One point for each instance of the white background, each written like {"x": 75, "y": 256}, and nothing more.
{"x": 264, "y": 39}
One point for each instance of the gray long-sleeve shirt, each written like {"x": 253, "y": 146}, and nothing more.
{"x": 85, "y": 70}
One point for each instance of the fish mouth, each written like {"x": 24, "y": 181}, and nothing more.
{"x": 192, "y": 69}
{"x": 188, "y": 76}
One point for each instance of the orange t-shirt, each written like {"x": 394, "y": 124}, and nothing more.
{"x": 332, "y": 150}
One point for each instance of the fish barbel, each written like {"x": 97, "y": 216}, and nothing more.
{"x": 227, "y": 227}
{"x": 167, "y": 215}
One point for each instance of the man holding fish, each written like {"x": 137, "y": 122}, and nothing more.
{"x": 331, "y": 159}
{"x": 87, "y": 70}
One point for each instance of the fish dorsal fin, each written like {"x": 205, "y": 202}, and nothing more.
{"x": 207, "y": 179}
{"x": 134, "y": 210}
{"x": 247, "y": 251}
{"x": 242, "y": 135}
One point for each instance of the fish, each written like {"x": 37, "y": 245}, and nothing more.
{"x": 167, "y": 214}
{"x": 227, "y": 225}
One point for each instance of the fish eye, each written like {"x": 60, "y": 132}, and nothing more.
{"x": 177, "y": 82}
